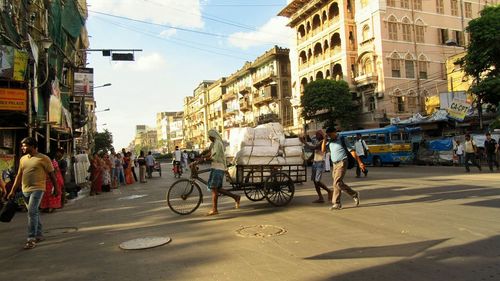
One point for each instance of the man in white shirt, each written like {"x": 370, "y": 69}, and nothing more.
{"x": 362, "y": 151}
{"x": 459, "y": 152}
{"x": 177, "y": 159}
{"x": 150, "y": 163}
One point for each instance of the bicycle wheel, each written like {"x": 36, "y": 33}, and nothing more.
{"x": 184, "y": 197}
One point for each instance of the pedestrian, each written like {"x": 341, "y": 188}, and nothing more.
{"x": 327, "y": 161}
{"x": 459, "y": 152}
{"x": 127, "y": 167}
{"x": 63, "y": 168}
{"x": 96, "y": 169}
{"x": 318, "y": 165}
{"x": 184, "y": 159}
{"x": 120, "y": 172}
{"x": 150, "y": 162}
{"x": 362, "y": 151}
{"x": 133, "y": 163}
{"x": 359, "y": 163}
{"x": 491, "y": 149}
{"x": 112, "y": 161}
{"x": 50, "y": 202}
{"x": 218, "y": 166}
{"x": 141, "y": 160}
{"x": 31, "y": 175}
{"x": 470, "y": 150}
{"x": 340, "y": 162}
{"x": 106, "y": 173}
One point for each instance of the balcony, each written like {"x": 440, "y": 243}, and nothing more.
{"x": 245, "y": 104}
{"x": 366, "y": 79}
{"x": 267, "y": 95}
{"x": 268, "y": 118}
{"x": 263, "y": 79}
{"x": 231, "y": 111}
{"x": 228, "y": 96}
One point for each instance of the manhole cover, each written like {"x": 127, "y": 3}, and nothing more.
{"x": 144, "y": 243}
{"x": 260, "y": 231}
{"x": 60, "y": 230}
{"x": 131, "y": 197}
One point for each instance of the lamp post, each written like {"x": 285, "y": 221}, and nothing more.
{"x": 103, "y": 85}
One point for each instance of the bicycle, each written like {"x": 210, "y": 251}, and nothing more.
{"x": 177, "y": 169}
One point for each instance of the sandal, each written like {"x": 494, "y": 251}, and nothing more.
{"x": 237, "y": 202}
{"x": 30, "y": 244}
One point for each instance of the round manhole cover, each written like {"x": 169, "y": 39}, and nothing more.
{"x": 60, "y": 230}
{"x": 260, "y": 231}
{"x": 144, "y": 243}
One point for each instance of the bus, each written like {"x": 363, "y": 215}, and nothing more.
{"x": 390, "y": 145}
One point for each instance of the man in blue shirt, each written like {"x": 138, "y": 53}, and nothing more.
{"x": 339, "y": 159}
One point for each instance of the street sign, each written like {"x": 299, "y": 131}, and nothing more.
{"x": 122, "y": 56}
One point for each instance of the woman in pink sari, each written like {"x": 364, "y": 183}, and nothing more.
{"x": 49, "y": 201}
{"x": 96, "y": 174}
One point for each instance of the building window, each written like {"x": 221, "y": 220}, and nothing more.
{"x": 442, "y": 35}
{"x": 400, "y": 104}
{"x": 468, "y": 10}
{"x": 393, "y": 29}
{"x": 417, "y": 4}
{"x": 440, "y": 6}
{"x": 454, "y": 7}
{"x": 458, "y": 37}
{"x": 419, "y": 32}
{"x": 412, "y": 101}
{"x": 406, "y": 30}
{"x": 391, "y": 3}
{"x": 370, "y": 102}
{"x": 366, "y": 32}
{"x": 409, "y": 68}
{"x": 405, "y": 4}
{"x": 422, "y": 69}
{"x": 395, "y": 68}
{"x": 367, "y": 66}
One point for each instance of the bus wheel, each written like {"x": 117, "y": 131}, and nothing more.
{"x": 396, "y": 164}
{"x": 377, "y": 162}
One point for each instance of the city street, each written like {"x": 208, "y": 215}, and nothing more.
{"x": 413, "y": 223}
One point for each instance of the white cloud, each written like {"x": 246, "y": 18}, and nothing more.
{"x": 150, "y": 62}
{"x": 168, "y": 33}
{"x": 181, "y": 13}
{"x": 274, "y": 31}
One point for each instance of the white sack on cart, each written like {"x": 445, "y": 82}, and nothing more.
{"x": 263, "y": 160}
{"x": 291, "y": 151}
{"x": 292, "y": 142}
{"x": 294, "y": 160}
{"x": 270, "y": 151}
{"x": 275, "y": 131}
{"x": 258, "y": 142}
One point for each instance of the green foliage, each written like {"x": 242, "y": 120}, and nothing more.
{"x": 482, "y": 60}
{"x": 103, "y": 141}
{"x": 330, "y": 102}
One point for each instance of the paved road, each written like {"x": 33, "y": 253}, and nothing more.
{"x": 414, "y": 223}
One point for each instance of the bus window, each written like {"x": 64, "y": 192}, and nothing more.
{"x": 371, "y": 139}
{"x": 396, "y": 137}
{"x": 380, "y": 138}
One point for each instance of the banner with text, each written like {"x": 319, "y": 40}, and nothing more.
{"x": 458, "y": 109}
{"x": 13, "y": 99}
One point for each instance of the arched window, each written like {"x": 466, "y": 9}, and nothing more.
{"x": 366, "y": 32}
{"x": 419, "y": 31}
{"x": 422, "y": 67}
{"x": 301, "y": 31}
{"x": 367, "y": 66}
{"x": 327, "y": 74}
{"x": 309, "y": 54}
{"x": 406, "y": 27}
{"x": 324, "y": 17}
{"x": 319, "y": 75}
{"x": 337, "y": 72}
{"x": 303, "y": 57}
{"x": 409, "y": 66}
{"x": 303, "y": 84}
{"x": 333, "y": 11}
{"x": 308, "y": 27}
{"x": 392, "y": 25}
{"x": 325, "y": 45}
{"x": 395, "y": 65}
{"x": 316, "y": 22}
{"x": 318, "y": 51}
{"x": 336, "y": 43}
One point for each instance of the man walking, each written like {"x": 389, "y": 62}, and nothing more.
{"x": 470, "y": 149}
{"x": 150, "y": 162}
{"x": 491, "y": 149}
{"x": 33, "y": 170}
{"x": 362, "y": 152}
{"x": 318, "y": 166}
{"x": 340, "y": 162}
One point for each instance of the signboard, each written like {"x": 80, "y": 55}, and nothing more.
{"x": 13, "y": 63}
{"x": 84, "y": 82}
{"x": 13, "y": 99}
{"x": 55, "y": 105}
{"x": 458, "y": 109}
{"x": 6, "y": 166}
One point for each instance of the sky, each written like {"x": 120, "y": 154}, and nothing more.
{"x": 183, "y": 42}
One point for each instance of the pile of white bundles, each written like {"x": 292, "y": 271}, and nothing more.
{"x": 263, "y": 145}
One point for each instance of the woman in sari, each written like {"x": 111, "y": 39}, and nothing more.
{"x": 106, "y": 176}
{"x": 49, "y": 201}
{"x": 96, "y": 174}
{"x": 129, "y": 177}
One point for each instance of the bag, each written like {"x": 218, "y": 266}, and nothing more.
{"x": 351, "y": 162}
{"x": 8, "y": 211}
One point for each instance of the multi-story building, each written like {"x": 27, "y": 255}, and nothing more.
{"x": 214, "y": 105}
{"x": 195, "y": 115}
{"x": 168, "y": 130}
{"x": 145, "y": 139}
{"x": 392, "y": 53}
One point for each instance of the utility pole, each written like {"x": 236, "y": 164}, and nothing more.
{"x": 415, "y": 49}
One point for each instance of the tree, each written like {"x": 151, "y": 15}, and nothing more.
{"x": 103, "y": 141}
{"x": 483, "y": 56}
{"x": 330, "y": 102}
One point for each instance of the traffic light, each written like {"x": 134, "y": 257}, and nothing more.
{"x": 78, "y": 114}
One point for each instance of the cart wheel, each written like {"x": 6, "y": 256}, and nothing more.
{"x": 280, "y": 189}
{"x": 255, "y": 193}
{"x": 184, "y": 197}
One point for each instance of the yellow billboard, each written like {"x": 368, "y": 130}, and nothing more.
{"x": 13, "y": 99}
